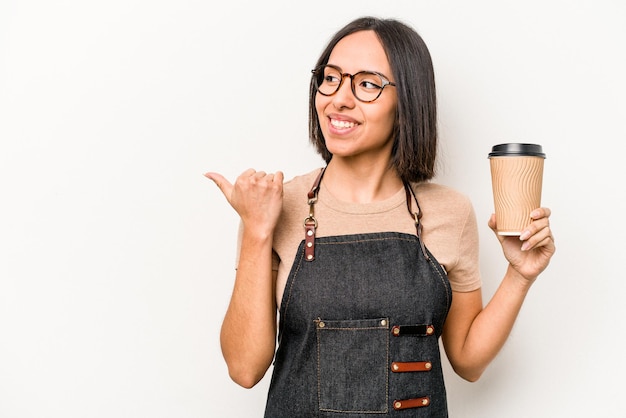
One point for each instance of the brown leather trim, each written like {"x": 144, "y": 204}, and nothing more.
{"x": 414, "y": 330}
{"x": 310, "y": 223}
{"x": 309, "y": 241}
{"x": 411, "y": 403}
{"x": 411, "y": 366}
{"x": 316, "y": 185}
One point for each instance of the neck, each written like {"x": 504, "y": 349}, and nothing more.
{"x": 364, "y": 183}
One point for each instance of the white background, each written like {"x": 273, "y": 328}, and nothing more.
{"x": 116, "y": 254}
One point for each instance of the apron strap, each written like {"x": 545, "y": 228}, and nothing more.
{"x": 312, "y": 195}
{"x": 417, "y": 216}
{"x": 310, "y": 223}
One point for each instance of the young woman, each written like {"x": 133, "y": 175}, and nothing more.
{"x": 367, "y": 262}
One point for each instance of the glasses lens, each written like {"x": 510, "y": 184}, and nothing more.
{"x": 367, "y": 86}
{"x": 328, "y": 80}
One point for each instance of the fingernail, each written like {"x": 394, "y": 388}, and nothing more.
{"x": 525, "y": 246}
{"x": 524, "y": 236}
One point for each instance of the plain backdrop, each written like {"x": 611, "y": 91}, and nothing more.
{"x": 117, "y": 255}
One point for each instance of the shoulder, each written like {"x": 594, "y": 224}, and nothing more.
{"x": 289, "y": 230}
{"x": 438, "y": 198}
{"x": 451, "y": 233}
{"x": 295, "y": 196}
{"x": 448, "y": 220}
{"x": 298, "y": 187}
{"x": 303, "y": 180}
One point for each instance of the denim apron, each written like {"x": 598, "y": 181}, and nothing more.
{"x": 360, "y": 322}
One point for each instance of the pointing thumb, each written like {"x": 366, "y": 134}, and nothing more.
{"x": 221, "y": 182}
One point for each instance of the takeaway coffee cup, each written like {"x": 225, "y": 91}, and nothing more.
{"x": 516, "y": 178}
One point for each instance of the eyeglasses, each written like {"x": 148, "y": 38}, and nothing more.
{"x": 366, "y": 85}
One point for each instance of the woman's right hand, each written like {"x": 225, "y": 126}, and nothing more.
{"x": 248, "y": 334}
{"x": 256, "y": 196}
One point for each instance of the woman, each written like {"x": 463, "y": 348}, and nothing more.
{"x": 366, "y": 261}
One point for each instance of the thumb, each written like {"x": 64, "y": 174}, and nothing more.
{"x": 225, "y": 186}
{"x": 492, "y": 222}
{"x": 494, "y": 227}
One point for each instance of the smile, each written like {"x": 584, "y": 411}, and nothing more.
{"x": 342, "y": 124}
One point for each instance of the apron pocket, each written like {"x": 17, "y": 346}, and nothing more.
{"x": 352, "y": 365}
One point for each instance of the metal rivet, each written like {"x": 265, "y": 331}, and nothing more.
{"x": 397, "y": 405}
{"x": 430, "y": 330}
{"x": 395, "y": 366}
{"x": 309, "y": 233}
{"x": 424, "y": 401}
{"x": 383, "y": 322}
{"x": 321, "y": 324}
{"x": 310, "y": 257}
{"x": 396, "y": 330}
{"x": 309, "y": 244}
{"x": 428, "y": 365}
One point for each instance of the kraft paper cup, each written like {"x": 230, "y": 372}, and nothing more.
{"x": 516, "y": 178}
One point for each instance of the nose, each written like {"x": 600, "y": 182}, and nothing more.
{"x": 344, "y": 97}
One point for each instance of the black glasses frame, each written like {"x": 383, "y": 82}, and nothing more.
{"x": 316, "y": 73}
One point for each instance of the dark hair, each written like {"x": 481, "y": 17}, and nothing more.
{"x": 415, "y": 129}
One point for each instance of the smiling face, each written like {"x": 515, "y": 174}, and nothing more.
{"x": 352, "y": 128}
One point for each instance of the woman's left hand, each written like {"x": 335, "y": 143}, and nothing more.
{"x": 530, "y": 253}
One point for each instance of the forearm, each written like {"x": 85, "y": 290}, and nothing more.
{"x": 248, "y": 335}
{"x": 490, "y": 328}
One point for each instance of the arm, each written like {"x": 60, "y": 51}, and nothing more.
{"x": 248, "y": 334}
{"x": 474, "y": 335}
